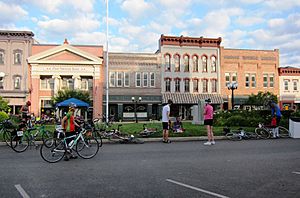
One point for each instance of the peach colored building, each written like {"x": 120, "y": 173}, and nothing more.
{"x": 56, "y": 67}
{"x": 289, "y": 78}
{"x": 253, "y": 70}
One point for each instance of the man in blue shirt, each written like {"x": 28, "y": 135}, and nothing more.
{"x": 275, "y": 110}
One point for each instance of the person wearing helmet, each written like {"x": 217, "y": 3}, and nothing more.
{"x": 25, "y": 114}
{"x": 275, "y": 113}
{"x": 68, "y": 124}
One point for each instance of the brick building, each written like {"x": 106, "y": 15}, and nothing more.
{"x": 253, "y": 70}
{"x": 15, "y": 47}
{"x": 289, "y": 78}
{"x": 56, "y": 67}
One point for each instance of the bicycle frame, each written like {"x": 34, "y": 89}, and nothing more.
{"x": 77, "y": 137}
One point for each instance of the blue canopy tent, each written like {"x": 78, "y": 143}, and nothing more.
{"x": 75, "y": 101}
{"x": 66, "y": 103}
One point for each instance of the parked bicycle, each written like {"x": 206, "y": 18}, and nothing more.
{"x": 239, "y": 134}
{"x": 265, "y": 131}
{"x": 6, "y": 129}
{"x": 147, "y": 131}
{"x": 84, "y": 143}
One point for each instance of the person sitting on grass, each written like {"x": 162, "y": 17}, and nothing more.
{"x": 177, "y": 126}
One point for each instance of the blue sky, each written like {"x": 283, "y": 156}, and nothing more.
{"x": 136, "y": 25}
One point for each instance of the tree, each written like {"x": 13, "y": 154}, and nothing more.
{"x": 4, "y": 105}
{"x": 261, "y": 99}
{"x": 67, "y": 94}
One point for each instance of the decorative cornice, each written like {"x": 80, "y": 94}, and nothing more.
{"x": 16, "y": 33}
{"x": 190, "y": 41}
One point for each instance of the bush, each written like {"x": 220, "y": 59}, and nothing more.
{"x": 3, "y": 116}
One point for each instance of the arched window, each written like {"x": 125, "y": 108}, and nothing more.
{"x": 195, "y": 63}
{"x": 168, "y": 62}
{"x": 186, "y": 85}
{"x": 177, "y": 85}
{"x": 17, "y": 57}
{"x": 213, "y": 85}
{"x": 168, "y": 84}
{"x": 17, "y": 82}
{"x": 213, "y": 64}
{"x": 195, "y": 85}
{"x": 177, "y": 63}
{"x": 186, "y": 63}
{"x": 204, "y": 63}
{"x": 205, "y": 85}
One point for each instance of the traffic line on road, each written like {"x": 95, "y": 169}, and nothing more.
{"x": 195, "y": 188}
{"x": 21, "y": 191}
{"x": 298, "y": 173}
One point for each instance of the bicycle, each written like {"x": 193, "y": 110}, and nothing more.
{"x": 6, "y": 129}
{"x": 147, "y": 131}
{"x": 239, "y": 134}
{"x": 115, "y": 135}
{"x": 22, "y": 139}
{"x": 266, "y": 132}
{"x": 85, "y": 145}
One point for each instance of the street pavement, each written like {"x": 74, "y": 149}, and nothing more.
{"x": 254, "y": 168}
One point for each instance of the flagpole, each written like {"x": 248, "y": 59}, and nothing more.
{"x": 107, "y": 83}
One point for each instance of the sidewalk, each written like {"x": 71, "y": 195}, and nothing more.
{"x": 173, "y": 139}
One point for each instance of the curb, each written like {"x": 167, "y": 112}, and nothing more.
{"x": 173, "y": 139}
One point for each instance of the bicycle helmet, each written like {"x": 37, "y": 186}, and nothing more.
{"x": 28, "y": 103}
{"x": 72, "y": 106}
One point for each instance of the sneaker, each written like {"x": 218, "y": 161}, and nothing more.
{"x": 168, "y": 141}
{"x": 207, "y": 143}
{"x": 213, "y": 143}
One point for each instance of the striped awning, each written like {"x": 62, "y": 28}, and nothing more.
{"x": 189, "y": 98}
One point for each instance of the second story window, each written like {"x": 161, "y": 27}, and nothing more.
{"x": 213, "y": 85}
{"x": 17, "y": 82}
{"x": 186, "y": 85}
{"x": 253, "y": 80}
{"x": 138, "y": 79}
{"x": 186, "y": 63}
{"x": 247, "y": 80}
{"x": 126, "y": 79}
{"x": 17, "y": 57}
{"x": 177, "y": 85}
{"x": 233, "y": 77}
{"x": 119, "y": 79}
{"x": 112, "y": 79}
{"x": 286, "y": 85}
{"x": 152, "y": 79}
{"x": 195, "y": 85}
{"x": 295, "y": 85}
{"x": 271, "y": 80}
{"x": 47, "y": 82}
{"x": 205, "y": 87}
{"x": 1, "y": 56}
{"x": 204, "y": 63}
{"x": 265, "y": 80}
{"x": 195, "y": 63}
{"x": 1, "y": 82}
{"x": 213, "y": 64}
{"x": 67, "y": 83}
{"x": 167, "y": 62}
{"x": 145, "y": 79}
{"x": 177, "y": 62}
{"x": 227, "y": 79}
{"x": 168, "y": 84}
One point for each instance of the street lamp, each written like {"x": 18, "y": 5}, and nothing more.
{"x": 133, "y": 99}
{"x": 232, "y": 86}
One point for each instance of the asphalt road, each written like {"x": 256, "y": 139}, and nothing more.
{"x": 257, "y": 168}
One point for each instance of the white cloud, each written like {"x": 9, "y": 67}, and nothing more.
{"x": 136, "y": 8}
{"x": 6, "y": 16}
{"x": 249, "y": 21}
{"x": 282, "y": 5}
{"x": 94, "y": 38}
{"x": 273, "y": 23}
{"x": 51, "y": 6}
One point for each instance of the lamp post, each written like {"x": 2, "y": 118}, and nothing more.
{"x": 133, "y": 99}
{"x": 232, "y": 86}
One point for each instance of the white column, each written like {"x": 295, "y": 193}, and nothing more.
{"x": 77, "y": 82}
{"x": 56, "y": 83}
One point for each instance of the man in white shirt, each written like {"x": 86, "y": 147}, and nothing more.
{"x": 166, "y": 121}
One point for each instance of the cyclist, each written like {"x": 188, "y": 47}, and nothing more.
{"x": 275, "y": 112}
{"x": 68, "y": 124}
{"x": 25, "y": 115}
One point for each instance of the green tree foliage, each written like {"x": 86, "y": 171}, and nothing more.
{"x": 67, "y": 94}
{"x": 4, "y": 105}
{"x": 261, "y": 99}
{"x": 3, "y": 116}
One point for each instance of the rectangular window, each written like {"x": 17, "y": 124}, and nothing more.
{"x": 138, "y": 79}
{"x": 253, "y": 80}
{"x": 152, "y": 79}
{"x": 295, "y": 85}
{"x": 1, "y": 56}
{"x": 205, "y": 88}
{"x": 214, "y": 85}
{"x": 119, "y": 79}
{"x": 234, "y": 78}
{"x": 247, "y": 80}
{"x": 168, "y": 85}
{"x": 177, "y": 85}
{"x": 187, "y": 85}
{"x": 17, "y": 82}
{"x": 1, "y": 82}
{"x": 17, "y": 57}
{"x": 195, "y": 85}
{"x": 271, "y": 82}
{"x": 145, "y": 79}
{"x": 47, "y": 82}
{"x": 90, "y": 84}
{"x": 84, "y": 84}
{"x": 265, "y": 80}
{"x": 126, "y": 79}
{"x": 227, "y": 79}
{"x": 286, "y": 85}
{"x": 112, "y": 79}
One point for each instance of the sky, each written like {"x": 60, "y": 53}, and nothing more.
{"x": 136, "y": 25}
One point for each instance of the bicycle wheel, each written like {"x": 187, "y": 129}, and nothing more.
{"x": 137, "y": 141}
{"x": 251, "y": 135}
{"x": 262, "y": 133}
{"x": 283, "y": 132}
{"x": 19, "y": 143}
{"x": 87, "y": 147}
{"x": 97, "y": 135}
{"x": 52, "y": 150}
{"x": 7, "y": 137}
{"x": 46, "y": 135}
{"x": 233, "y": 136}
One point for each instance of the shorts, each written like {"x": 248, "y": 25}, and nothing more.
{"x": 208, "y": 122}
{"x": 165, "y": 125}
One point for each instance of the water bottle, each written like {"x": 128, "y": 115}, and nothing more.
{"x": 70, "y": 144}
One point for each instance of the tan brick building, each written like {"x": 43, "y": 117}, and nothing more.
{"x": 56, "y": 67}
{"x": 15, "y": 47}
{"x": 253, "y": 70}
